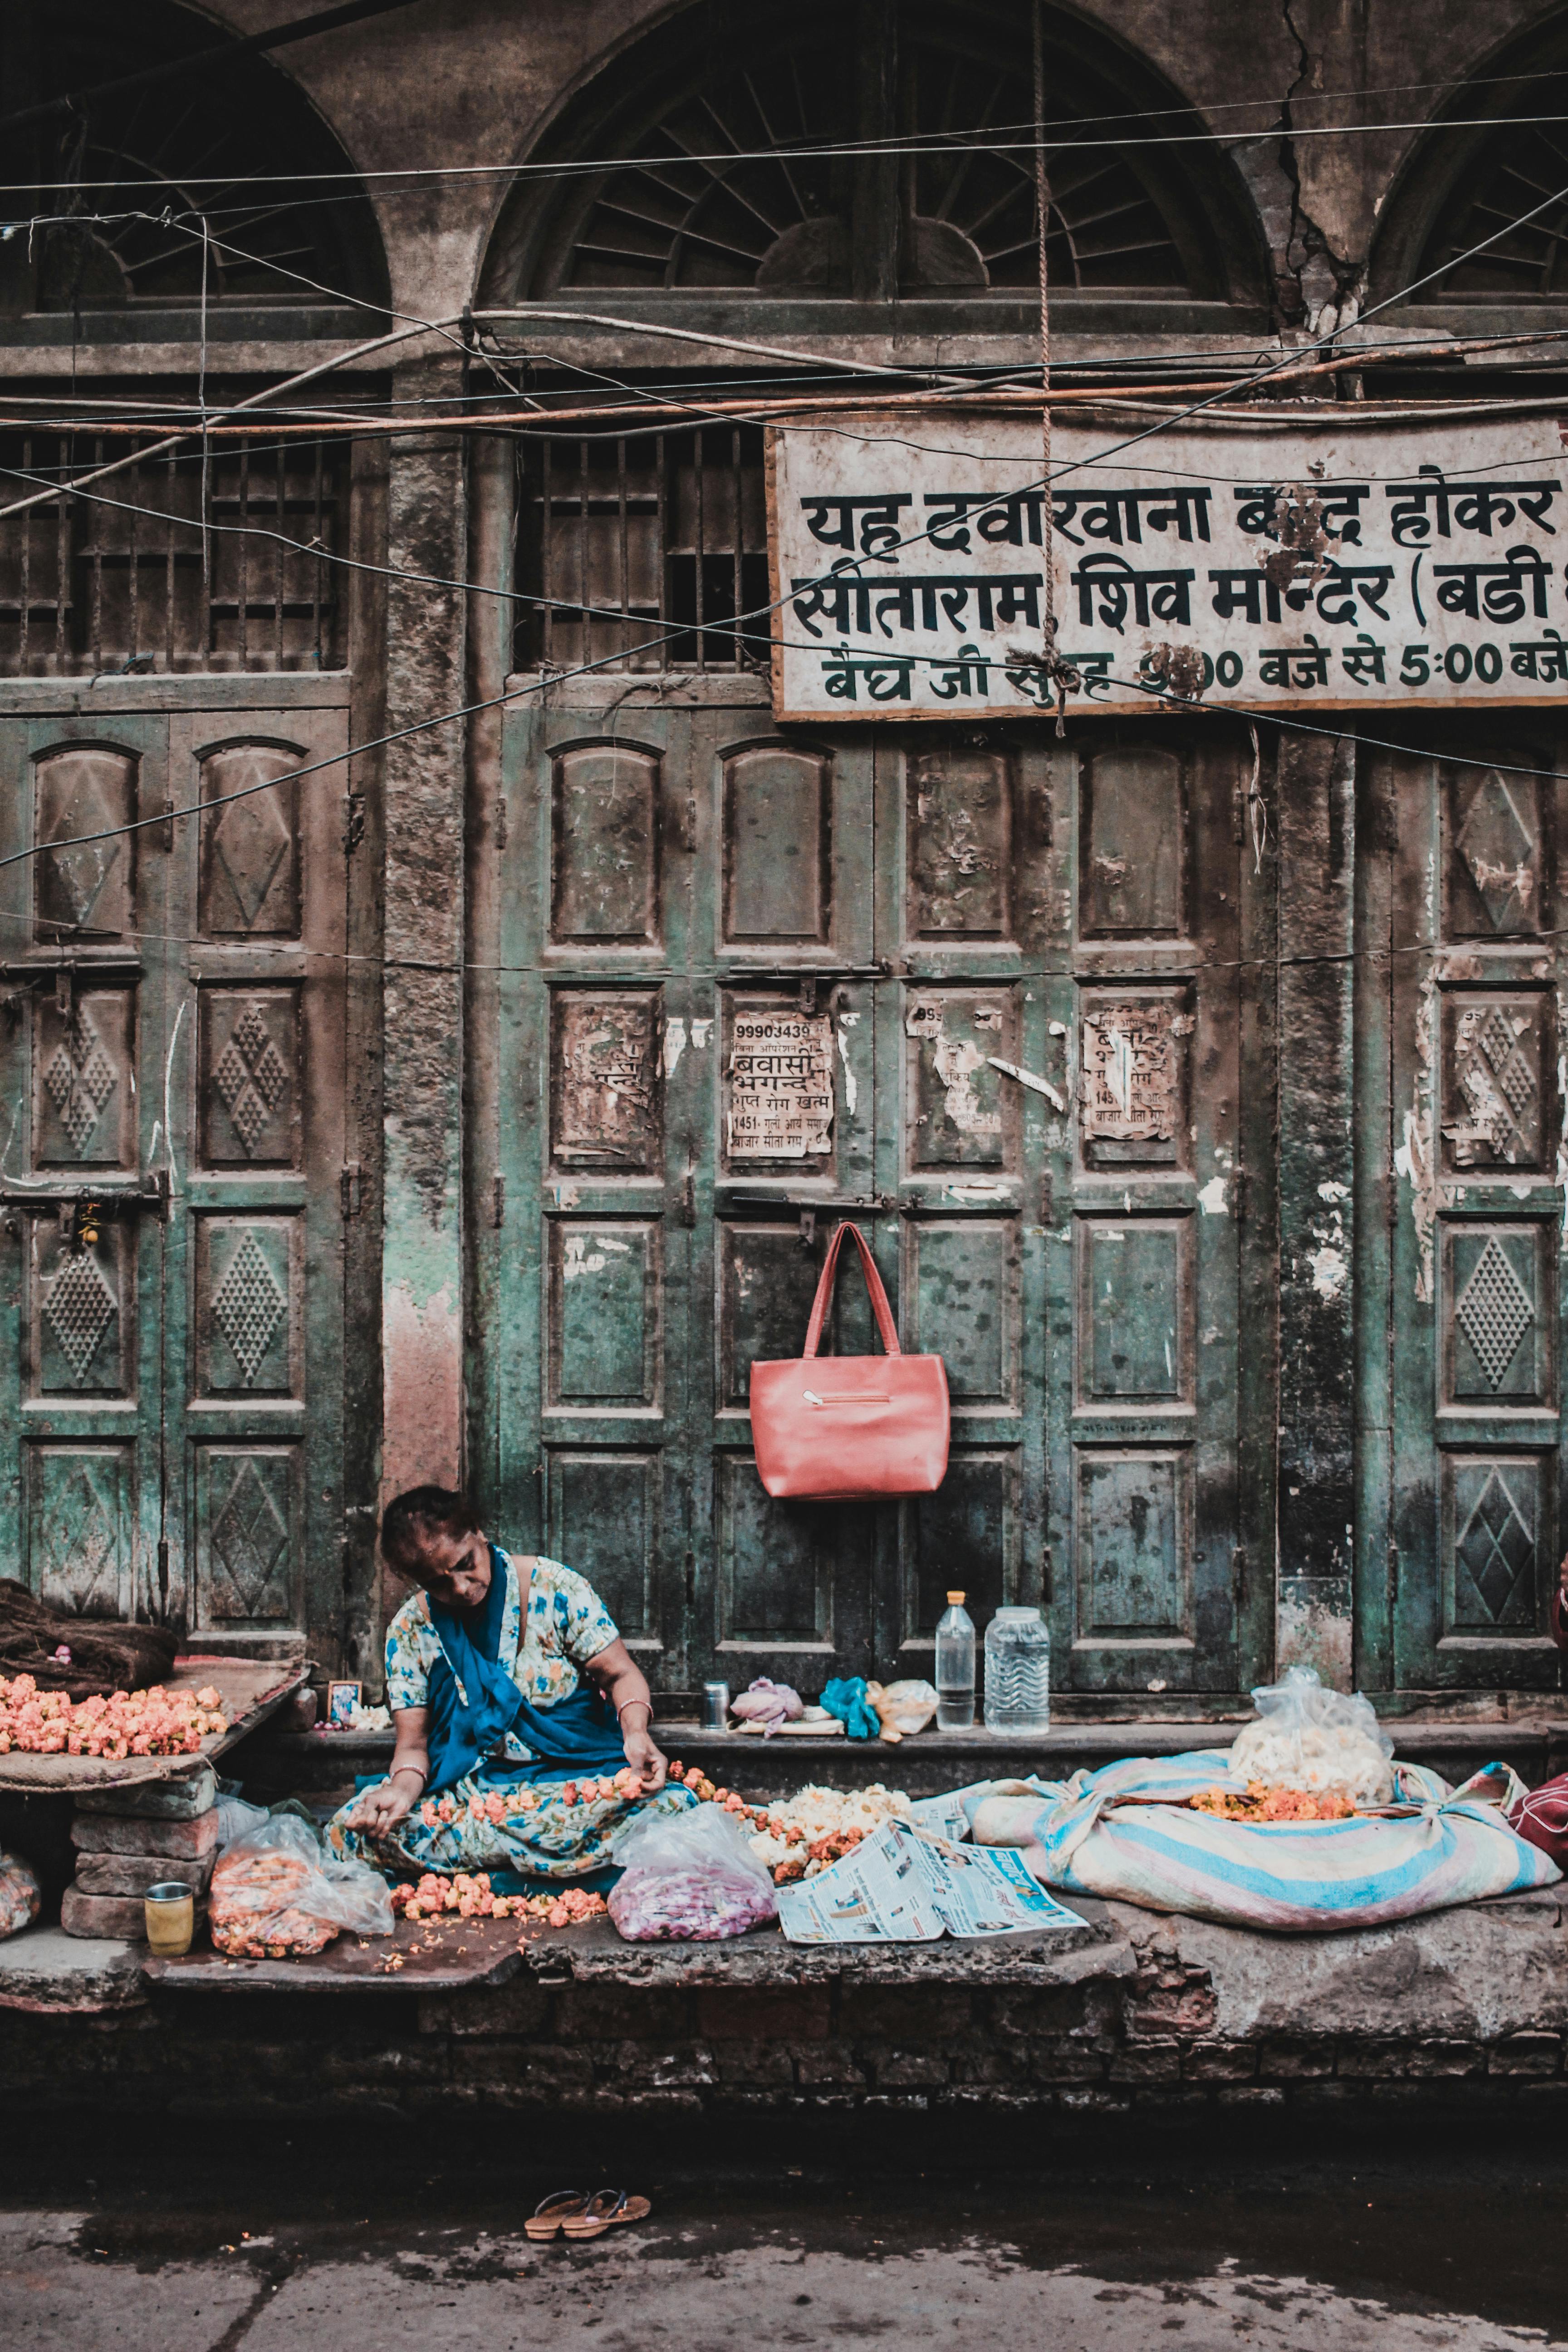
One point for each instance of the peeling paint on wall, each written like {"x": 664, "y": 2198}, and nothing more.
{"x": 851, "y": 1091}
{"x": 1413, "y": 1160}
{"x": 674, "y": 1044}
{"x": 1331, "y": 1271}
{"x": 1212, "y": 1200}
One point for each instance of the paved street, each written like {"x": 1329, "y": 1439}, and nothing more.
{"x": 1395, "y": 2256}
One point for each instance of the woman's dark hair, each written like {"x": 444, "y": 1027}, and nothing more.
{"x": 409, "y": 1520}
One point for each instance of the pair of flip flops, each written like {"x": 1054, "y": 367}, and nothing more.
{"x": 572, "y": 2213}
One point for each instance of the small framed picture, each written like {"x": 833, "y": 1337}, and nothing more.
{"x": 342, "y": 1700}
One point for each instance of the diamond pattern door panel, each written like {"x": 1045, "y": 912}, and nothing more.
{"x": 251, "y": 870}
{"x": 172, "y": 1370}
{"x": 84, "y": 1105}
{"x": 248, "y": 1086}
{"x": 80, "y": 1526}
{"x": 1496, "y": 1082}
{"x": 1496, "y": 1543}
{"x": 248, "y": 1316}
{"x": 1498, "y": 871}
{"x": 248, "y": 1535}
{"x": 1499, "y": 1326}
{"x": 85, "y": 888}
{"x": 82, "y": 1311}
{"x": 1459, "y": 1536}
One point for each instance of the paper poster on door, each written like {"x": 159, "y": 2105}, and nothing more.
{"x": 780, "y": 1086}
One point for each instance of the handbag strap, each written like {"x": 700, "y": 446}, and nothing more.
{"x": 879, "y": 1306}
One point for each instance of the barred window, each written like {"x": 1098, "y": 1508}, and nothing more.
{"x": 639, "y": 551}
{"x": 123, "y": 571}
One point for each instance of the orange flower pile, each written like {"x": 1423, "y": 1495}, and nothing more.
{"x": 1262, "y": 1803}
{"x": 257, "y": 1907}
{"x": 155, "y": 1722}
{"x": 499, "y": 1806}
{"x": 804, "y": 1851}
{"x": 471, "y": 1895}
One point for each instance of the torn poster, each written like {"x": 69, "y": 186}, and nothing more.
{"x": 780, "y": 1086}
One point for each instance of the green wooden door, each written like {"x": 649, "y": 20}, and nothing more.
{"x": 1079, "y": 1119}
{"x": 174, "y": 1084}
{"x": 981, "y": 993}
{"x": 1459, "y": 1078}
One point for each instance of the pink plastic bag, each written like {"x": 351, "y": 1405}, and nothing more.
{"x": 690, "y": 1877}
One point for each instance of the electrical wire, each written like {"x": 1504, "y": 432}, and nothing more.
{"x": 981, "y": 139}
{"x": 497, "y": 701}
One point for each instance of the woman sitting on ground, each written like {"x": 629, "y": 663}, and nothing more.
{"x": 509, "y": 1685}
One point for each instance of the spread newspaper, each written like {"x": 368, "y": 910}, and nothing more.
{"x": 906, "y": 1886}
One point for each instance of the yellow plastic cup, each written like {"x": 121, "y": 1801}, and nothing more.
{"x": 170, "y": 1909}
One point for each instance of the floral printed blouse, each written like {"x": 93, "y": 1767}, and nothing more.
{"x": 567, "y": 1625}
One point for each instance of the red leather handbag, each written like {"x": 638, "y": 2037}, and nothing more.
{"x": 850, "y": 1428}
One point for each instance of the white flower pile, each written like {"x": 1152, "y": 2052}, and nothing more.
{"x": 814, "y": 1813}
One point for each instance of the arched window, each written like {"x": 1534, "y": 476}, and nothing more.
{"x": 822, "y": 149}
{"x": 140, "y": 167}
{"x": 1472, "y": 186}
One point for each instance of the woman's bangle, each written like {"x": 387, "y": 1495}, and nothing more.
{"x": 635, "y": 1702}
{"x": 423, "y": 1773}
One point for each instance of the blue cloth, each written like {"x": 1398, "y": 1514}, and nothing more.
{"x": 477, "y": 1709}
{"x": 849, "y": 1702}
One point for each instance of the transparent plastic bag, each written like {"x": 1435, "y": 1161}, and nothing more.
{"x": 277, "y": 1894}
{"x": 236, "y": 1818}
{"x": 690, "y": 1877}
{"x": 20, "y": 1898}
{"x": 1307, "y": 1737}
{"x": 904, "y": 1708}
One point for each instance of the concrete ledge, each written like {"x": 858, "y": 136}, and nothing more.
{"x": 49, "y": 1973}
{"x": 1144, "y": 2015}
{"x": 277, "y": 1763}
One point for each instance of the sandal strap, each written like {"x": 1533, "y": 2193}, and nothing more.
{"x": 559, "y": 2196}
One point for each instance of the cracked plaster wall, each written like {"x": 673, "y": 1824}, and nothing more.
{"x": 442, "y": 80}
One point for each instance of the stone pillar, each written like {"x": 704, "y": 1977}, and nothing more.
{"x": 423, "y": 1023}
{"x": 1317, "y": 1154}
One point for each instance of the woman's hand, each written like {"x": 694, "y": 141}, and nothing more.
{"x": 646, "y": 1761}
{"x": 380, "y": 1809}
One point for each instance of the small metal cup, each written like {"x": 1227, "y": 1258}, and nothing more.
{"x": 715, "y": 1706}
{"x": 171, "y": 1913}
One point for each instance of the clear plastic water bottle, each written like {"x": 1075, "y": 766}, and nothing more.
{"x": 1017, "y": 1672}
{"x": 956, "y": 1667}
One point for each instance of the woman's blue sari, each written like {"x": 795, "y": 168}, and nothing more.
{"x": 481, "y": 1721}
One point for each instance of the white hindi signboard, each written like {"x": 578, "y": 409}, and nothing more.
{"x": 1297, "y": 564}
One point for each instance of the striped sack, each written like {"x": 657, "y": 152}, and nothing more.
{"x": 1124, "y": 1833}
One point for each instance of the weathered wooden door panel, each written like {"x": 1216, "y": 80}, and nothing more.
{"x": 1150, "y": 1526}
{"x": 177, "y": 1369}
{"x": 82, "y": 1356}
{"x": 582, "y": 1266}
{"x": 1468, "y": 998}
{"x": 255, "y": 1065}
{"x": 983, "y": 995}
{"x": 782, "y": 943}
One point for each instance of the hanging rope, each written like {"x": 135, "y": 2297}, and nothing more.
{"x": 1059, "y": 674}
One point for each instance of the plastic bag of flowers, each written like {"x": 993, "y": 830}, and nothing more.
{"x": 20, "y": 1899}
{"x": 687, "y": 1877}
{"x": 278, "y": 1895}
